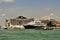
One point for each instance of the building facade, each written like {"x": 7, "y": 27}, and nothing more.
{"x": 18, "y": 22}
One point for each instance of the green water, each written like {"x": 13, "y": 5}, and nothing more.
{"x": 16, "y": 34}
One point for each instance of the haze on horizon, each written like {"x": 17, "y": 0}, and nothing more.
{"x": 29, "y": 8}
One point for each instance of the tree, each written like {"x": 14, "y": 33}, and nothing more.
{"x": 50, "y": 24}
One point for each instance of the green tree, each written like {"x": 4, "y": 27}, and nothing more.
{"x": 49, "y": 24}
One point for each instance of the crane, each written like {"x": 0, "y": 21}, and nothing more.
{"x": 50, "y": 16}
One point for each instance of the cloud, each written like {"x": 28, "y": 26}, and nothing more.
{"x": 7, "y": 1}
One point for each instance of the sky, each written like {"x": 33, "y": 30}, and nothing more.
{"x": 28, "y": 8}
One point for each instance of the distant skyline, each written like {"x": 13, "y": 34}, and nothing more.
{"x": 29, "y": 8}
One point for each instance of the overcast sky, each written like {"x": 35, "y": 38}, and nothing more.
{"x": 29, "y": 8}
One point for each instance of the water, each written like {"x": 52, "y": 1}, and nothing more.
{"x": 29, "y": 34}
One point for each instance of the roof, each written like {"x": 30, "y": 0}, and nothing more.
{"x": 57, "y": 22}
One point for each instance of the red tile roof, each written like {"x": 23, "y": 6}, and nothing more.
{"x": 57, "y": 22}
